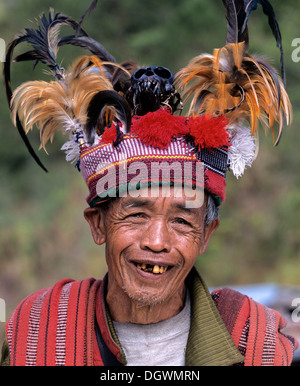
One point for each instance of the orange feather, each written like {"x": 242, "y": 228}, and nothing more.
{"x": 214, "y": 84}
{"x": 60, "y": 105}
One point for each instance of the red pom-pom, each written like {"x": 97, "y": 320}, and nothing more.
{"x": 209, "y": 132}
{"x": 158, "y": 128}
{"x": 110, "y": 134}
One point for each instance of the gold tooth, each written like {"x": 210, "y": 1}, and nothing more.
{"x": 156, "y": 268}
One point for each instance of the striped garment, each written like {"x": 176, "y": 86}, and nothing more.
{"x": 255, "y": 330}
{"x": 56, "y": 327}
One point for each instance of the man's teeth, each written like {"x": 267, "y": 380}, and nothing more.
{"x": 150, "y": 268}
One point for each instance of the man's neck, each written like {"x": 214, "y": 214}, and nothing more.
{"x": 123, "y": 309}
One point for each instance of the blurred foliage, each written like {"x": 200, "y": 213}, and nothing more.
{"x": 43, "y": 235}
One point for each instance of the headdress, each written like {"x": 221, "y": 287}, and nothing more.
{"x": 119, "y": 114}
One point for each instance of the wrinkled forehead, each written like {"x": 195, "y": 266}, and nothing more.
{"x": 181, "y": 197}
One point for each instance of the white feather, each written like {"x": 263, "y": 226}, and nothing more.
{"x": 72, "y": 147}
{"x": 242, "y": 151}
{"x": 72, "y": 150}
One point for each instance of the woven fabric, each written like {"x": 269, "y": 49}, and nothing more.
{"x": 255, "y": 329}
{"x": 109, "y": 170}
{"x": 55, "y": 327}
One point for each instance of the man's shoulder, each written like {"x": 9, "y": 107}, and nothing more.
{"x": 64, "y": 288}
{"x": 48, "y": 310}
{"x": 231, "y": 303}
{"x": 39, "y": 295}
{"x": 31, "y": 304}
{"x": 256, "y": 328}
{"x": 36, "y": 299}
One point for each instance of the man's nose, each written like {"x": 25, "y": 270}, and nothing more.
{"x": 156, "y": 237}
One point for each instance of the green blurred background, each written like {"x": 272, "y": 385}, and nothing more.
{"x": 43, "y": 235}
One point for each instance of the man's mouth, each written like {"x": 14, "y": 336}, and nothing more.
{"x": 156, "y": 269}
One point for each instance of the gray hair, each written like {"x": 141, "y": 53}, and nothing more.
{"x": 212, "y": 212}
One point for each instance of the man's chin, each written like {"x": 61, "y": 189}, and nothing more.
{"x": 146, "y": 288}
{"x": 143, "y": 298}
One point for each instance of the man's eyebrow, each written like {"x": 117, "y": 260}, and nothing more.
{"x": 134, "y": 203}
{"x": 183, "y": 207}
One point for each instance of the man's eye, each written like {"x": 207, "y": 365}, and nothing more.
{"x": 136, "y": 215}
{"x": 181, "y": 221}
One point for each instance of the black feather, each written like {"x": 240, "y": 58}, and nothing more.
{"x": 89, "y": 44}
{"x": 43, "y": 42}
{"x": 28, "y": 145}
{"x": 87, "y": 12}
{"x": 268, "y": 10}
{"x": 235, "y": 15}
{"x": 100, "y": 100}
{"x": 121, "y": 80}
{"x": 7, "y": 83}
{"x": 251, "y": 5}
{"x": 85, "y": 41}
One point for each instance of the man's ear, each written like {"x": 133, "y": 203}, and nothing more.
{"x": 95, "y": 218}
{"x": 209, "y": 229}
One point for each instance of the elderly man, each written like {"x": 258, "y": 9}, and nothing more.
{"x": 155, "y": 182}
{"x": 152, "y": 308}
{"x": 151, "y": 247}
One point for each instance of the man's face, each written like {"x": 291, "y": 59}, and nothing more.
{"x": 151, "y": 245}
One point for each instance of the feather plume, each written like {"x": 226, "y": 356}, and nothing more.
{"x": 237, "y": 30}
{"x": 87, "y": 12}
{"x": 243, "y": 88}
{"x": 251, "y": 5}
{"x": 89, "y": 44}
{"x": 61, "y": 105}
{"x": 237, "y": 85}
{"x": 105, "y": 108}
{"x": 45, "y": 42}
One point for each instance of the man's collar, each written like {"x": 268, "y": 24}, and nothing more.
{"x": 209, "y": 342}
